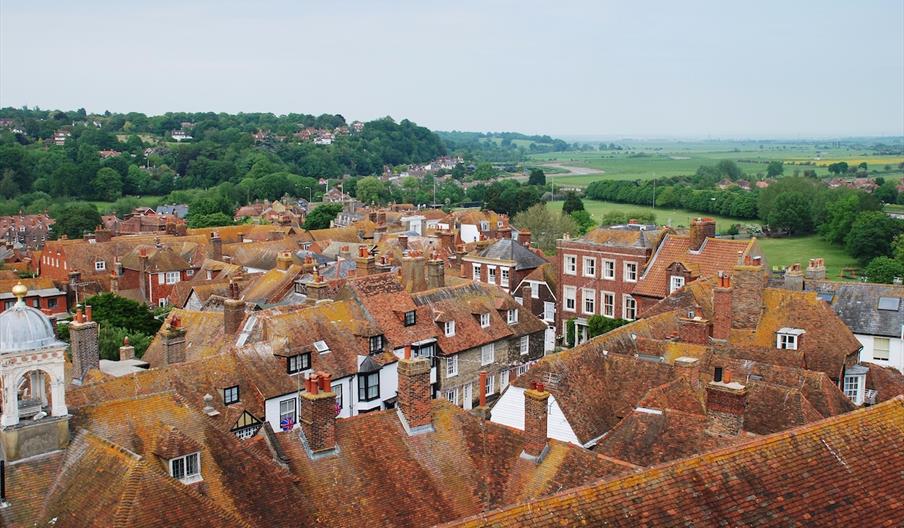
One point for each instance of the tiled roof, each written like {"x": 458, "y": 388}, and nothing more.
{"x": 271, "y": 286}
{"x": 625, "y": 237}
{"x": 163, "y": 259}
{"x": 714, "y": 255}
{"x": 204, "y": 336}
{"x": 888, "y": 382}
{"x": 813, "y": 475}
{"x": 386, "y": 302}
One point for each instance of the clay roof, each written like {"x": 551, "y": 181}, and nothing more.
{"x": 386, "y": 302}
{"x": 714, "y": 255}
{"x": 809, "y": 476}
{"x": 335, "y": 234}
{"x": 271, "y": 286}
{"x": 204, "y": 336}
{"x": 638, "y": 238}
{"x": 888, "y": 382}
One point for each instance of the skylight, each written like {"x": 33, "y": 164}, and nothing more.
{"x": 826, "y": 296}
{"x": 889, "y": 303}
{"x": 321, "y": 347}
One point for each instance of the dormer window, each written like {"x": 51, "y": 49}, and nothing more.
{"x": 231, "y": 395}
{"x": 100, "y": 265}
{"x": 375, "y": 345}
{"x": 449, "y": 328}
{"x": 512, "y": 316}
{"x": 298, "y": 363}
{"x": 484, "y": 320}
{"x": 676, "y": 282}
{"x": 410, "y": 318}
{"x": 788, "y": 338}
{"x": 186, "y": 468}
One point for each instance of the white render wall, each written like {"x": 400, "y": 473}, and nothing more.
{"x": 509, "y": 410}
{"x": 895, "y": 352}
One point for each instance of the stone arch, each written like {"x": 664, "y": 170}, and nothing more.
{"x": 52, "y": 398}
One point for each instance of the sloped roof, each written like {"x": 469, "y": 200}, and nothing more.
{"x": 508, "y": 249}
{"x": 159, "y": 259}
{"x": 857, "y": 304}
{"x": 271, "y": 286}
{"x": 888, "y": 382}
{"x": 638, "y": 238}
{"x": 386, "y": 302}
{"x": 809, "y": 476}
{"x": 204, "y": 336}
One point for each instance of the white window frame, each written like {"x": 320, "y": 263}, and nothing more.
{"x": 571, "y": 265}
{"x": 853, "y": 388}
{"x": 512, "y": 316}
{"x": 491, "y": 274}
{"x": 487, "y": 354}
{"x": 549, "y": 311}
{"x": 885, "y": 351}
{"x": 608, "y": 265}
{"x": 786, "y": 341}
{"x": 630, "y": 272}
{"x": 160, "y": 277}
{"x": 504, "y": 277}
{"x": 490, "y": 387}
{"x": 173, "y": 277}
{"x": 503, "y": 380}
{"x": 476, "y": 271}
{"x": 451, "y": 395}
{"x": 569, "y": 293}
{"x": 676, "y": 282}
{"x": 625, "y": 300}
{"x": 484, "y": 320}
{"x": 449, "y": 328}
{"x": 592, "y": 267}
{"x": 100, "y": 265}
{"x": 534, "y": 290}
{"x": 294, "y": 411}
{"x": 524, "y": 345}
{"x": 185, "y": 473}
{"x": 588, "y": 296}
{"x": 607, "y": 309}
{"x": 452, "y": 366}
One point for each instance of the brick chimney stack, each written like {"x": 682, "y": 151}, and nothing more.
{"x": 414, "y": 273}
{"x": 816, "y": 269}
{"x": 436, "y": 272}
{"x": 318, "y": 414}
{"x": 536, "y": 411}
{"x": 524, "y": 237}
{"x": 317, "y": 287}
{"x": 365, "y": 263}
{"x": 284, "y": 261}
{"x": 794, "y": 277}
{"x": 102, "y": 235}
{"x": 114, "y": 282}
{"x": 414, "y": 393}
{"x": 726, "y": 402}
{"x": 403, "y": 242}
{"x": 173, "y": 336}
{"x": 701, "y": 229}
{"x": 722, "y": 307}
{"x": 126, "y": 351}
{"x": 233, "y": 310}
{"x": 482, "y": 410}
{"x": 687, "y": 368}
{"x": 84, "y": 345}
{"x": 748, "y": 282}
{"x": 693, "y": 330}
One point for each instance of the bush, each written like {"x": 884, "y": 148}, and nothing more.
{"x": 599, "y": 325}
{"x": 569, "y": 332}
{"x": 884, "y": 270}
{"x": 110, "y": 338}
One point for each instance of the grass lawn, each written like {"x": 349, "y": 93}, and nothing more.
{"x": 779, "y": 251}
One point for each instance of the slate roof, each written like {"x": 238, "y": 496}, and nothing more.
{"x": 857, "y": 304}
{"x": 812, "y": 475}
{"x": 508, "y": 249}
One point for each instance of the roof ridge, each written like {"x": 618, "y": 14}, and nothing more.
{"x": 127, "y": 498}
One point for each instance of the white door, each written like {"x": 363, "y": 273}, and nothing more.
{"x": 468, "y": 396}
{"x": 549, "y": 342}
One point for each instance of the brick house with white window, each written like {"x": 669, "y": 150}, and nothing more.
{"x": 504, "y": 263}
{"x": 153, "y": 271}
{"x": 598, "y": 272}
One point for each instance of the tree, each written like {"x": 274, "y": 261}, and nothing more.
{"x": 321, "y": 217}
{"x": 884, "y": 269}
{"x": 8, "y": 186}
{"x": 545, "y": 226}
{"x": 887, "y": 192}
{"x": 210, "y": 220}
{"x": 840, "y": 167}
{"x": 74, "y": 219}
{"x": 370, "y": 190}
{"x": 110, "y": 338}
{"x": 775, "y": 169}
{"x": 114, "y": 310}
{"x": 583, "y": 220}
{"x": 766, "y": 199}
{"x": 572, "y": 203}
{"x": 107, "y": 184}
{"x": 537, "y": 177}
{"x": 871, "y": 235}
{"x": 485, "y": 171}
{"x": 791, "y": 214}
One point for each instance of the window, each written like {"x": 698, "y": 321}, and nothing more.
{"x": 608, "y": 304}
{"x": 630, "y": 308}
{"x": 491, "y": 274}
{"x": 491, "y": 382}
{"x": 189, "y": 273}
{"x": 449, "y": 328}
{"x": 852, "y": 388}
{"x": 503, "y": 380}
{"x": 321, "y": 346}
{"x": 786, "y": 341}
{"x": 52, "y": 302}
{"x": 512, "y": 316}
{"x": 172, "y": 277}
{"x": 609, "y": 269}
{"x": 676, "y": 282}
{"x": 505, "y": 276}
{"x": 477, "y": 272}
{"x": 589, "y": 301}
{"x": 487, "y": 354}
{"x": 369, "y": 386}
{"x": 287, "y": 416}
{"x": 451, "y": 395}
{"x": 890, "y": 304}
{"x": 338, "y": 390}
{"x": 484, "y": 320}
{"x": 534, "y": 290}
{"x": 427, "y": 351}
{"x": 451, "y": 366}
{"x": 186, "y": 468}
{"x": 410, "y": 318}
{"x": 571, "y": 265}
{"x": 880, "y": 348}
{"x": 298, "y": 362}
{"x": 549, "y": 311}
{"x": 590, "y": 266}
{"x": 523, "y": 345}
{"x": 100, "y": 265}
{"x": 231, "y": 395}
{"x": 569, "y": 292}
{"x": 630, "y": 272}
{"x": 375, "y": 344}
{"x": 160, "y": 278}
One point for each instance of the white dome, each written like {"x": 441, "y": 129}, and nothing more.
{"x": 24, "y": 328}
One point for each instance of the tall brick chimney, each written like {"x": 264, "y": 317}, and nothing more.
{"x": 524, "y": 237}
{"x": 693, "y": 330}
{"x": 102, "y": 234}
{"x": 536, "y": 411}
{"x": 687, "y": 368}
{"x": 142, "y": 273}
{"x": 84, "y": 345}
{"x": 233, "y": 310}
{"x": 794, "y": 277}
{"x": 316, "y": 288}
{"x": 748, "y": 282}
{"x": 414, "y": 273}
{"x": 414, "y": 393}
{"x": 403, "y": 242}
{"x": 816, "y": 269}
{"x": 318, "y": 414}
{"x": 726, "y": 402}
{"x": 701, "y": 229}
{"x": 436, "y": 272}
{"x": 365, "y": 263}
{"x": 173, "y": 338}
{"x": 722, "y": 307}
{"x": 284, "y": 260}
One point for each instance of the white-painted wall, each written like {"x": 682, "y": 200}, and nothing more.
{"x": 895, "y": 352}
{"x": 509, "y": 410}
{"x": 271, "y": 410}
{"x": 469, "y": 233}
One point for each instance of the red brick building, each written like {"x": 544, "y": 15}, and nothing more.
{"x": 153, "y": 271}
{"x": 42, "y": 295}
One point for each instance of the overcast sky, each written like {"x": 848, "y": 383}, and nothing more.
{"x": 645, "y": 68}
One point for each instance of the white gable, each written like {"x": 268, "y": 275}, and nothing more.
{"x": 509, "y": 410}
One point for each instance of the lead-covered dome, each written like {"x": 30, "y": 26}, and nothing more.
{"x": 24, "y": 328}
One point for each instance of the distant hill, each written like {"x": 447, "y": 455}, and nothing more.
{"x": 499, "y": 146}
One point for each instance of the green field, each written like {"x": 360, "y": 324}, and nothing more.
{"x": 779, "y": 251}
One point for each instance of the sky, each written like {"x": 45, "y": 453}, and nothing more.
{"x": 701, "y": 69}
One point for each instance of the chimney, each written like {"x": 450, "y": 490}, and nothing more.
{"x": 524, "y": 237}
{"x": 126, "y": 351}
{"x": 173, "y": 337}
{"x": 693, "y": 330}
{"x": 816, "y": 269}
{"x": 233, "y": 310}
{"x": 216, "y": 246}
{"x": 114, "y": 282}
{"x": 686, "y": 367}
{"x": 381, "y": 217}
{"x": 384, "y": 266}
{"x": 379, "y": 231}
{"x": 316, "y": 288}
{"x": 748, "y": 282}
{"x": 142, "y": 272}
{"x": 403, "y": 242}
{"x": 84, "y": 345}
{"x": 794, "y": 277}
{"x": 726, "y": 402}
{"x": 701, "y": 229}
{"x": 308, "y": 265}
{"x": 722, "y": 307}
{"x": 415, "y": 408}
{"x": 365, "y": 263}
{"x": 526, "y": 299}
{"x": 345, "y": 253}
{"x": 482, "y": 410}
{"x": 414, "y": 277}
{"x": 318, "y": 414}
{"x": 284, "y": 260}
{"x": 436, "y": 272}
{"x": 102, "y": 235}
{"x": 536, "y": 410}
{"x": 447, "y": 240}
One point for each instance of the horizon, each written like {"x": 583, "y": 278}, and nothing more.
{"x": 805, "y": 71}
